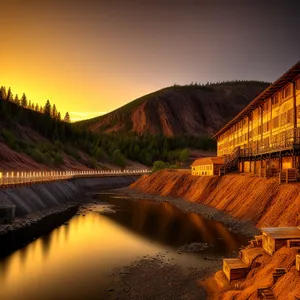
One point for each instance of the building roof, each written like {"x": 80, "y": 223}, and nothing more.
{"x": 290, "y": 75}
{"x": 214, "y": 160}
{"x": 282, "y": 232}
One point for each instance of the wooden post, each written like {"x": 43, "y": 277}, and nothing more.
{"x": 280, "y": 161}
{"x": 279, "y": 176}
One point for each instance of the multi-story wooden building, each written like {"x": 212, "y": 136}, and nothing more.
{"x": 266, "y": 133}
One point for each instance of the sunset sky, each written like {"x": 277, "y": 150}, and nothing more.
{"x": 90, "y": 57}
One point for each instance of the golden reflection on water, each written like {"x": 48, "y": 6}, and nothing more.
{"x": 74, "y": 260}
{"x": 88, "y": 244}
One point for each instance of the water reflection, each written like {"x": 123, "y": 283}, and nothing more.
{"x": 74, "y": 260}
{"x": 167, "y": 224}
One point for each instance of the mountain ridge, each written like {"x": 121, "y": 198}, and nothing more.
{"x": 196, "y": 110}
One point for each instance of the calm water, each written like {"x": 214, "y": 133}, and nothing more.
{"x": 74, "y": 261}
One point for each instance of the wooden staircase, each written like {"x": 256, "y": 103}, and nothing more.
{"x": 231, "y": 162}
{"x": 265, "y": 293}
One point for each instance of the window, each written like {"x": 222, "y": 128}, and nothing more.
{"x": 266, "y": 106}
{"x": 287, "y": 91}
{"x": 290, "y": 116}
{"x": 283, "y": 119}
{"x": 275, "y": 100}
{"x": 276, "y": 122}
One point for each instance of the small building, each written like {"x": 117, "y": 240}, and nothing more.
{"x": 274, "y": 238}
{"x": 235, "y": 268}
{"x": 207, "y": 166}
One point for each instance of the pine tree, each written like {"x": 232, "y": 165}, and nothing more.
{"x": 24, "y": 100}
{"x": 47, "y": 109}
{"x": 37, "y": 108}
{"x": 16, "y": 100}
{"x": 9, "y": 96}
{"x": 3, "y": 94}
{"x": 54, "y": 112}
{"x": 67, "y": 118}
{"x": 58, "y": 116}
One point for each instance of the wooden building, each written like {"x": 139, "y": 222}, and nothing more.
{"x": 274, "y": 238}
{"x": 234, "y": 268}
{"x": 207, "y": 166}
{"x": 266, "y": 133}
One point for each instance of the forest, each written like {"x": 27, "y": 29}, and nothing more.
{"x": 71, "y": 138}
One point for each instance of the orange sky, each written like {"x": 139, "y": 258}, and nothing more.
{"x": 90, "y": 57}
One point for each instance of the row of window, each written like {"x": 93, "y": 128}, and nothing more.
{"x": 278, "y": 138}
{"x": 201, "y": 173}
{"x": 284, "y": 94}
{"x": 205, "y": 167}
{"x": 283, "y": 119}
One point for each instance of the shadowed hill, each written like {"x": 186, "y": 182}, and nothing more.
{"x": 193, "y": 110}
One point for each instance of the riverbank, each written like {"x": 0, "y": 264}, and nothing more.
{"x": 39, "y": 201}
{"x": 235, "y": 225}
{"x": 261, "y": 202}
{"x": 177, "y": 270}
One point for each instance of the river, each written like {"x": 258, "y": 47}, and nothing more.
{"x": 81, "y": 258}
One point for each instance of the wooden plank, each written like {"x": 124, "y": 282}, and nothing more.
{"x": 282, "y": 232}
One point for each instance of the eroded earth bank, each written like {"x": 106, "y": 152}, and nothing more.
{"x": 251, "y": 200}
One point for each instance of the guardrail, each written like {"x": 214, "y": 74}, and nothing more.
{"x": 8, "y": 179}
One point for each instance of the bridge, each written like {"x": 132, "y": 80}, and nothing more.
{"x": 13, "y": 179}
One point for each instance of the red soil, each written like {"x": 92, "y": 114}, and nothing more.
{"x": 264, "y": 202}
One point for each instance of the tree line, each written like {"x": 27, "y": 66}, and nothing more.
{"x": 74, "y": 138}
{"x": 47, "y": 109}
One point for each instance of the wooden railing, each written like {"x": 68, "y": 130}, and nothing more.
{"x": 288, "y": 139}
{"x": 288, "y": 175}
{"x": 23, "y": 178}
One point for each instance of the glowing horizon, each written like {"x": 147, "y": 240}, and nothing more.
{"x": 97, "y": 56}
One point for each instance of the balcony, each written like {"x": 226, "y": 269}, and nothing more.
{"x": 288, "y": 140}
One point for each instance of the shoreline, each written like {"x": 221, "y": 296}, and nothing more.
{"x": 233, "y": 224}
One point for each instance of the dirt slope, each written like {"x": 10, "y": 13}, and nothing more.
{"x": 286, "y": 288}
{"x": 261, "y": 201}
{"x": 264, "y": 202}
{"x": 193, "y": 110}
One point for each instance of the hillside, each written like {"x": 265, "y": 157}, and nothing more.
{"x": 265, "y": 201}
{"x": 193, "y": 110}
{"x": 37, "y": 139}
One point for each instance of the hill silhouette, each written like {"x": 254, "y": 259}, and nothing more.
{"x": 193, "y": 110}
